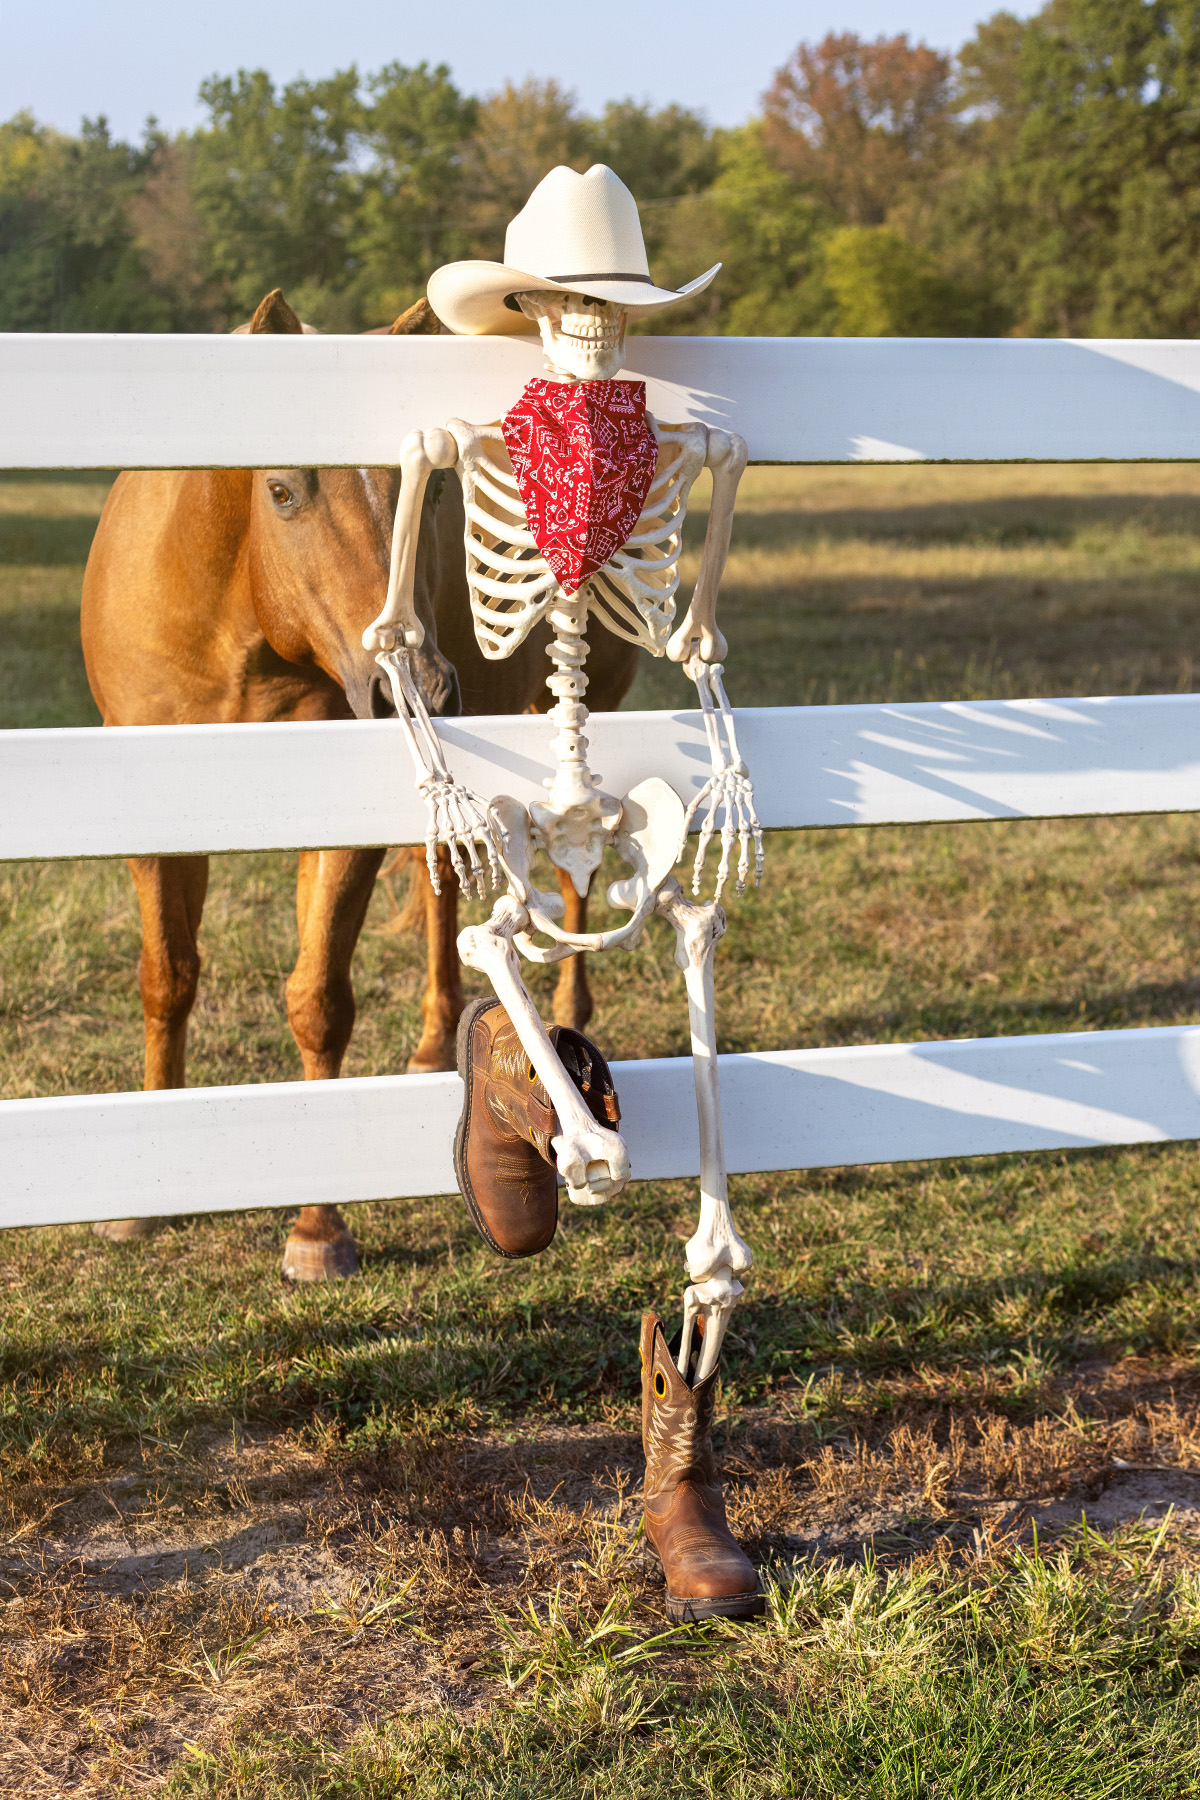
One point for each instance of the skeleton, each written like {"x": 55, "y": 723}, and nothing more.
{"x": 511, "y": 590}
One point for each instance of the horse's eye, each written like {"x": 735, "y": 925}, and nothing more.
{"x": 281, "y": 495}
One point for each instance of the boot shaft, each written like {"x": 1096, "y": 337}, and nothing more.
{"x": 503, "y": 1146}
{"x": 514, "y": 1094}
{"x": 676, "y": 1417}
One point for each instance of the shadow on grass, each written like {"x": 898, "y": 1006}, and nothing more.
{"x": 1145, "y": 1003}
{"x": 973, "y": 522}
{"x": 43, "y": 680}
{"x": 42, "y": 542}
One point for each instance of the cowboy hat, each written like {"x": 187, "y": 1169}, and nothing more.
{"x": 577, "y": 233}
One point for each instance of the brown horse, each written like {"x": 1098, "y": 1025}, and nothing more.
{"x": 215, "y": 596}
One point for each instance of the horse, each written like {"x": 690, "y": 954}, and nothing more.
{"x": 221, "y": 596}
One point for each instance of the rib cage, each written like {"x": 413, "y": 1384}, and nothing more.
{"x": 511, "y": 586}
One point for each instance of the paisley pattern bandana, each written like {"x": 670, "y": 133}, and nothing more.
{"x": 584, "y": 456}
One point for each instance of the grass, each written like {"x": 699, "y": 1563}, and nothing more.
{"x": 381, "y": 1538}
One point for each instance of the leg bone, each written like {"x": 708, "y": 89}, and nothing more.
{"x": 716, "y": 1255}
{"x": 715, "y": 1300}
{"x": 592, "y": 1160}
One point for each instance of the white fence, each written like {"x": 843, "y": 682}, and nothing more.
{"x": 232, "y": 402}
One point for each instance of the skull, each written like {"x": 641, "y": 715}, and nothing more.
{"x": 583, "y": 338}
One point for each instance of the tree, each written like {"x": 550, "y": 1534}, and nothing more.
{"x": 1046, "y": 181}
{"x": 860, "y": 124}
{"x": 884, "y": 286}
{"x": 766, "y": 231}
{"x": 170, "y": 239}
{"x": 274, "y": 183}
{"x": 68, "y": 257}
{"x": 418, "y": 128}
{"x": 521, "y": 134}
{"x": 661, "y": 157}
{"x": 1082, "y": 201}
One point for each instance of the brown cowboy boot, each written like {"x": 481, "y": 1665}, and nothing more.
{"x": 708, "y": 1576}
{"x": 502, "y": 1155}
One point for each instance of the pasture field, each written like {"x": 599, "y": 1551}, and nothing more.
{"x": 380, "y": 1539}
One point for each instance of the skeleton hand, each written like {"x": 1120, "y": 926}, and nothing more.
{"x": 458, "y": 820}
{"x": 457, "y": 817}
{"x": 728, "y": 789}
{"x": 593, "y": 1162}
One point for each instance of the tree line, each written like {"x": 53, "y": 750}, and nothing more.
{"x": 1043, "y": 181}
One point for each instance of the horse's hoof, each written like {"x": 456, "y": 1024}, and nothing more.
{"x": 127, "y": 1231}
{"x": 307, "y": 1260}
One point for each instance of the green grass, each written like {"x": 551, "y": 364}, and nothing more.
{"x": 898, "y": 1686}
{"x": 381, "y": 1538}
{"x": 46, "y": 526}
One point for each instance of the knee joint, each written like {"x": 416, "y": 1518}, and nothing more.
{"x": 321, "y": 1018}
{"x": 168, "y": 986}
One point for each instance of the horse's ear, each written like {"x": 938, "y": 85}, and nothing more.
{"x": 419, "y": 321}
{"x": 274, "y": 315}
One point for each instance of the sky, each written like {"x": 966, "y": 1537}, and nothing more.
{"x": 127, "y": 58}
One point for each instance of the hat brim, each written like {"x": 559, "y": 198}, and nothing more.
{"x": 469, "y": 297}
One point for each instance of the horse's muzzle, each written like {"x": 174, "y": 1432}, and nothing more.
{"x": 436, "y": 679}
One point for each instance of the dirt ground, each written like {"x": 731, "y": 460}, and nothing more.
{"x": 243, "y": 1582}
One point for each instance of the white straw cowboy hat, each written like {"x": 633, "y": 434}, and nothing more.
{"x": 577, "y": 233}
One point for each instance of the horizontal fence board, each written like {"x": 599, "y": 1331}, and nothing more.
{"x": 97, "y": 400}
{"x": 288, "y": 1143}
{"x": 175, "y": 788}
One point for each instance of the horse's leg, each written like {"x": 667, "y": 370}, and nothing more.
{"x": 170, "y": 891}
{"x": 572, "y": 996}
{"x": 333, "y": 892}
{"x": 443, "y": 1001}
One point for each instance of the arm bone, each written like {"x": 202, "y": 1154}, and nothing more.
{"x": 728, "y": 789}
{"x": 457, "y": 817}
{"x": 420, "y": 454}
{"x": 726, "y": 456}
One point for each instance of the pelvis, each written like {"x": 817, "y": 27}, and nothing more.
{"x": 647, "y": 833}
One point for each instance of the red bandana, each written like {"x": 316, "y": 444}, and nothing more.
{"x": 584, "y": 458}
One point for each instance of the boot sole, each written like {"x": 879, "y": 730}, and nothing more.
{"x": 466, "y": 1026}
{"x": 724, "y": 1606}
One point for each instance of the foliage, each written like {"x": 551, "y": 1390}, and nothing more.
{"x": 69, "y": 260}
{"x": 765, "y": 231}
{"x": 860, "y": 123}
{"x": 1043, "y": 180}
{"x": 418, "y": 128}
{"x": 274, "y": 188}
{"x": 885, "y": 286}
{"x": 1078, "y": 188}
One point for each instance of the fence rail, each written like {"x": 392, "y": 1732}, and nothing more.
{"x": 170, "y": 789}
{"x": 162, "y": 402}
{"x": 103, "y": 1156}
{"x": 92, "y": 401}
